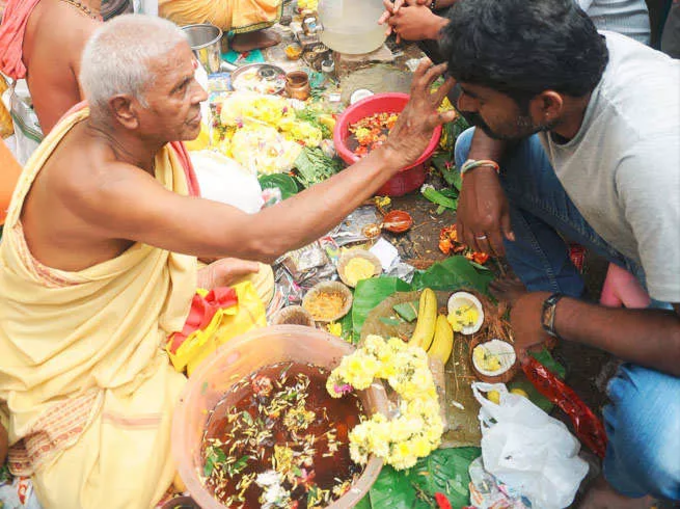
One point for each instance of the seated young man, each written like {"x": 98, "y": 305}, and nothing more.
{"x": 98, "y": 264}
{"x": 585, "y": 129}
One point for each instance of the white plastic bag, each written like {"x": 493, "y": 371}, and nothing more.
{"x": 529, "y": 450}
{"x": 224, "y": 180}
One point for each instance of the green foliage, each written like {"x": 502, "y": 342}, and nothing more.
{"x": 453, "y": 273}
{"x": 282, "y": 181}
{"x": 313, "y": 166}
{"x": 371, "y": 292}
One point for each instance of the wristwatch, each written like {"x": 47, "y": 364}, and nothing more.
{"x": 548, "y": 314}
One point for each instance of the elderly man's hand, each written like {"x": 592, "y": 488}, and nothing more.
{"x": 411, "y": 134}
{"x": 225, "y": 272}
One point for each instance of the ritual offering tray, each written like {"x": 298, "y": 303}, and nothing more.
{"x": 256, "y": 426}
{"x": 261, "y": 78}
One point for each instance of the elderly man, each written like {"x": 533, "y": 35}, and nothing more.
{"x": 578, "y": 137}
{"x": 42, "y": 41}
{"x": 99, "y": 264}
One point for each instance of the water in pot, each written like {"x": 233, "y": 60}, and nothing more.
{"x": 351, "y": 26}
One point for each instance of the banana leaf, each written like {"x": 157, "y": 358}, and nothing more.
{"x": 445, "y": 471}
{"x": 453, "y": 273}
{"x": 392, "y": 490}
{"x": 371, "y": 292}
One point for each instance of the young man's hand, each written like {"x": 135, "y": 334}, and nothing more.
{"x": 412, "y": 133}
{"x": 483, "y": 216}
{"x": 526, "y": 323}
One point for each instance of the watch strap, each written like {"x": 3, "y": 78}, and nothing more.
{"x": 548, "y": 314}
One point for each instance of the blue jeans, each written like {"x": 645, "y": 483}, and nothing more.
{"x": 643, "y": 419}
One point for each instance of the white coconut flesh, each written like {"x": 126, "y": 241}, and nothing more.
{"x": 466, "y": 301}
{"x": 493, "y": 350}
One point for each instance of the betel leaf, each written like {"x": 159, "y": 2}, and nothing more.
{"x": 313, "y": 166}
{"x": 452, "y": 273}
{"x": 281, "y": 181}
{"x": 407, "y": 310}
{"x": 371, "y": 292}
{"x": 445, "y": 471}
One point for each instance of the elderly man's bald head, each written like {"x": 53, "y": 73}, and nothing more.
{"x": 118, "y": 57}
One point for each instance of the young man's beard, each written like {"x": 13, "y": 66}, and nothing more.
{"x": 524, "y": 127}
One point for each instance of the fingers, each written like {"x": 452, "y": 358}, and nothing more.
{"x": 496, "y": 246}
{"x": 389, "y": 6}
{"x": 506, "y": 227}
{"x": 385, "y": 16}
{"x": 397, "y": 5}
{"x": 444, "y": 90}
{"x": 433, "y": 73}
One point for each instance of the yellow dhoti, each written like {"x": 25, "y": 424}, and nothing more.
{"x": 85, "y": 388}
{"x": 238, "y": 16}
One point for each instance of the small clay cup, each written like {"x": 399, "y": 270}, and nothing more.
{"x": 297, "y": 85}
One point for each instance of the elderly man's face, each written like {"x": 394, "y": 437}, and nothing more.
{"x": 174, "y": 97}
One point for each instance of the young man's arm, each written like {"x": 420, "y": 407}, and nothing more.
{"x": 649, "y": 337}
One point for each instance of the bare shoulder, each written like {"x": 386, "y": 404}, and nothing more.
{"x": 85, "y": 176}
{"x": 53, "y": 15}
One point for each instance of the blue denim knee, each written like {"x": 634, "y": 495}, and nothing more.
{"x": 643, "y": 428}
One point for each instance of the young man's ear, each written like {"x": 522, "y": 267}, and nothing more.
{"x": 546, "y": 107}
{"x": 123, "y": 110}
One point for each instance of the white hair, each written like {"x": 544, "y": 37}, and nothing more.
{"x": 117, "y": 57}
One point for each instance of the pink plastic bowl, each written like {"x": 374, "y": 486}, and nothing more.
{"x": 411, "y": 177}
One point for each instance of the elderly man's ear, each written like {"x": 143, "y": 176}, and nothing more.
{"x": 125, "y": 110}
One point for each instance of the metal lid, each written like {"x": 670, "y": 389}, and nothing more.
{"x": 359, "y": 94}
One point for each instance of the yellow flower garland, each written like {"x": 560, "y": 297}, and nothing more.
{"x": 418, "y": 428}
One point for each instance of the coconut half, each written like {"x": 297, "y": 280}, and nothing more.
{"x": 493, "y": 361}
{"x": 459, "y": 304}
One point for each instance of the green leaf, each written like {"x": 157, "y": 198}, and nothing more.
{"x": 238, "y": 465}
{"x": 445, "y": 471}
{"x": 245, "y": 415}
{"x": 371, "y": 292}
{"x": 347, "y": 327}
{"x": 438, "y": 198}
{"x": 549, "y": 362}
{"x": 391, "y": 321}
{"x": 407, "y": 310}
{"x": 314, "y": 166}
{"x": 364, "y": 503}
{"x": 392, "y": 490}
{"x": 454, "y": 272}
{"x": 282, "y": 181}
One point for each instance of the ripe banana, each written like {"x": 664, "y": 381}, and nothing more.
{"x": 427, "y": 315}
{"x": 442, "y": 345}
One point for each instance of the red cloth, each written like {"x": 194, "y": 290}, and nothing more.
{"x": 12, "y": 32}
{"x": 202, "y": 311}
